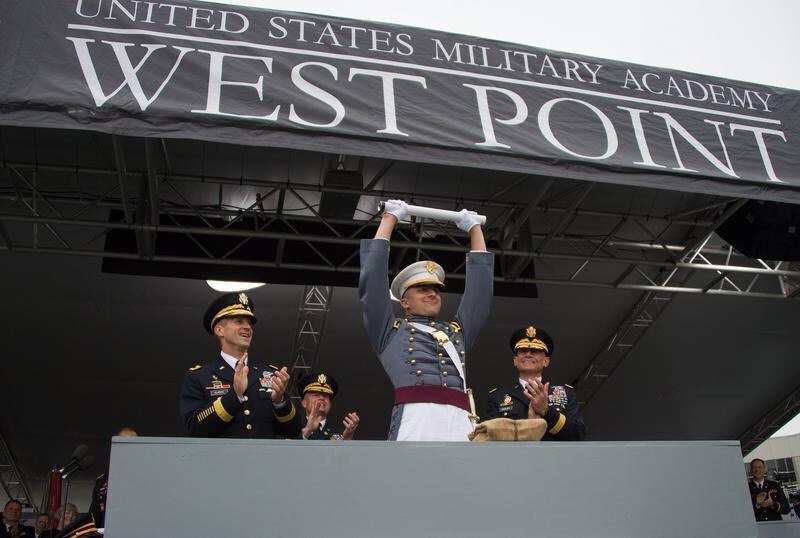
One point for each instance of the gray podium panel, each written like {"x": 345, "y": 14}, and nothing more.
{"x": 241, "y": 488}
{"x": 778, "y": 529}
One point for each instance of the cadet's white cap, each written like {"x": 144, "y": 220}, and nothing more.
{"x": 417, "y": 274}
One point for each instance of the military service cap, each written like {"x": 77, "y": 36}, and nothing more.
{"x": 318, "y": 382}
{"x": 417, "y": 274}
{"x": 226, "y": 306}
{"x": 531, "y": 338}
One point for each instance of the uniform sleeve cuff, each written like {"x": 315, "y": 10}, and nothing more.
{"x": 230, "y": 402}
{"x": 480, "y": 257}
{"x": 289, "y": 415}
{"x": 379, "y": 244}
{"x": 562, "y": 419}
{"x": 221, "y": 412}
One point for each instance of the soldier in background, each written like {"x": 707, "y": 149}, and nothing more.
{"x": 317, "y": 391}
{"x": 794, "y": 500}
{"x": 424, "y": 357}
{"x": 232, "y": 396}
{"x": 531, "y": 397}
{"x": 767, "y": 496}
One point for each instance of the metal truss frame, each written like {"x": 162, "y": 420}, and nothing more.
{"x": 779, "y": 415}
{"x": 722, "y": 271}
{"x": 673, "y": 253}
{"x": 644, "y": 313}
{"x": 11, "y": 480}
{"x": 313, "y": 311}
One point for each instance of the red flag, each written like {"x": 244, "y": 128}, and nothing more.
{"x": 53, "y": 496}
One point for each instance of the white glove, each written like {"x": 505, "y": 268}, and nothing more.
{"x": 398, "y": 208}
{"x": 467, "y": 220}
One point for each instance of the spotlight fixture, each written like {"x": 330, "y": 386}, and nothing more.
{"x": 228, "y": 286}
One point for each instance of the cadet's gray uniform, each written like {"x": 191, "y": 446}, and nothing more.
{"x": 418, "y": 367}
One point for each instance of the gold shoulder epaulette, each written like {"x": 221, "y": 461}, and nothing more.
{"x": 396, "y": 324}
{"x": 492, "y": 390}
{"x": 456, "y": 327}
{"x": 195, "y": 367}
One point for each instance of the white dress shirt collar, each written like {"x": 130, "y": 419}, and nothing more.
{"x": 231, "y": 360}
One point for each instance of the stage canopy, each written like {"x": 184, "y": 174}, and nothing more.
{"x": 646, "y": 217}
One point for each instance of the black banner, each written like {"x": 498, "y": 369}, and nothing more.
{"x": 231, "y": 74}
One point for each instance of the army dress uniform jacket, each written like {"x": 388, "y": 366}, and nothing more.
{"x": 321, "y": 434}
{"x": 412, "y": 358}
{"x": 210, "y": 408}
{"x": 563, "y": 416}
{"x": 776, "y": 493}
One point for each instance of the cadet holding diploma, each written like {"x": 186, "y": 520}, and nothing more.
{"x": 425, "y": 358}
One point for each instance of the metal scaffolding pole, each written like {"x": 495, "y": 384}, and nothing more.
{"x": 771, "y": 422}
{"x": 313, "y": 311}
{"x": 11, "y": 479}
{"x": 644, "y": 313}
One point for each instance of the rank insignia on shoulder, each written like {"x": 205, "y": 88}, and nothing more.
{"x": 195, "y": 367}
{"x": 396, "y": 324}
{"x": 456, "y": 327}
{"x": 274, "y": 367}
{"x": 492, "y": 390}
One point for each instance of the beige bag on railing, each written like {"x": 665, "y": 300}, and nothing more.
{"x": 506, "y": 429}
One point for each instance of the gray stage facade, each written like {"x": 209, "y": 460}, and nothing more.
{"x": 210, "y": 487}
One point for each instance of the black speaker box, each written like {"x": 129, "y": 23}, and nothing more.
{"x": 766, "y": 230}
{"x": 341, "y": 204}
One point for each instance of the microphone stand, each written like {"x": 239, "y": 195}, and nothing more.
{"x": 67, "y": 477}
{"x": 64, "y": 504}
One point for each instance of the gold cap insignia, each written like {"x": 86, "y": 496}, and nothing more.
{"x": 322, "y": 379}
{"x": 530, "y": 332}
{"x": 430, "y": 267}
{"x": 506, "y": 400}
{"x": 243, "y": 299}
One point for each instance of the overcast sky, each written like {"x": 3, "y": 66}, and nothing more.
{"x": 736, "y": 39}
